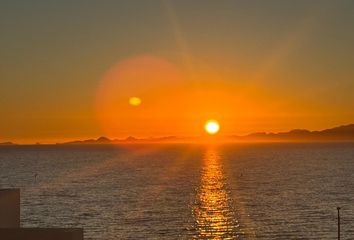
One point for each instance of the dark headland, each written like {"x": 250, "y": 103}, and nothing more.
{"x": 341, "y": 133}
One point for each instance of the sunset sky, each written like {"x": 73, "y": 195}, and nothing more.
{"x": 69, "y": 68}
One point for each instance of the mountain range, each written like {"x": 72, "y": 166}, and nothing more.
{"x": 341, "y": 133}
{"x": 338, "y": 134}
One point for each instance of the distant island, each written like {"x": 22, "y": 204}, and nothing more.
{"x": 130, "y": 139}
{"x": 338, "y": 134}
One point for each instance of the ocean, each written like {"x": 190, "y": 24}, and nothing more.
{"x": 180, "y": 191}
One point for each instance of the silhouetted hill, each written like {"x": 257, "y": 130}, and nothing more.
{"x": 103, "y": 140}
{"x": 100, "y": 140}
{"x": 130, "y": 139}
{"x": 341, "y": 133}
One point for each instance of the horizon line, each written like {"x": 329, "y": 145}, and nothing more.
{"x": 165, "y": 138}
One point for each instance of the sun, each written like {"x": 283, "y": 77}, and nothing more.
{"x": 212, "y": 127}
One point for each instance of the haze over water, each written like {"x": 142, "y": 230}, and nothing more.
{"x": 235, "y": 191}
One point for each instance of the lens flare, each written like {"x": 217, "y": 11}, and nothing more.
{"x": 134, "y": 101}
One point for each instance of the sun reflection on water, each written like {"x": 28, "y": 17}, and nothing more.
{"x": 214, "y": 215}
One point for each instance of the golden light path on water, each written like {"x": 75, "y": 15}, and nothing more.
{"x": 214, "y": 215}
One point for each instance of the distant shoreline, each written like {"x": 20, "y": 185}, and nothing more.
{"x": 179, "y": 143}
{"x": 340, "y": 134}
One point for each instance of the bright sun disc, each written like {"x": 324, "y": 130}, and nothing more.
{"x": 212, "y": 127}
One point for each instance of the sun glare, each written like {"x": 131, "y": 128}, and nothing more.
{"x": 212, "y": 127}
{"x": 134, "y": 101}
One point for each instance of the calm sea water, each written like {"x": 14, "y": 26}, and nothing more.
{"x": 247, "y": 191}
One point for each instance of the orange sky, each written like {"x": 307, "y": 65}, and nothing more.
{"x": 250, "y": 66}
{"x": 174, "y": 102}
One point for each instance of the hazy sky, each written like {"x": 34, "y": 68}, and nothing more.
{"x": 291, "y": 61}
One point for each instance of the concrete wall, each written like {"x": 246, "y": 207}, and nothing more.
{"x": 41, "y": 234}
{"x": 10, "y": 208}
{"x": 10, "y": 222}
